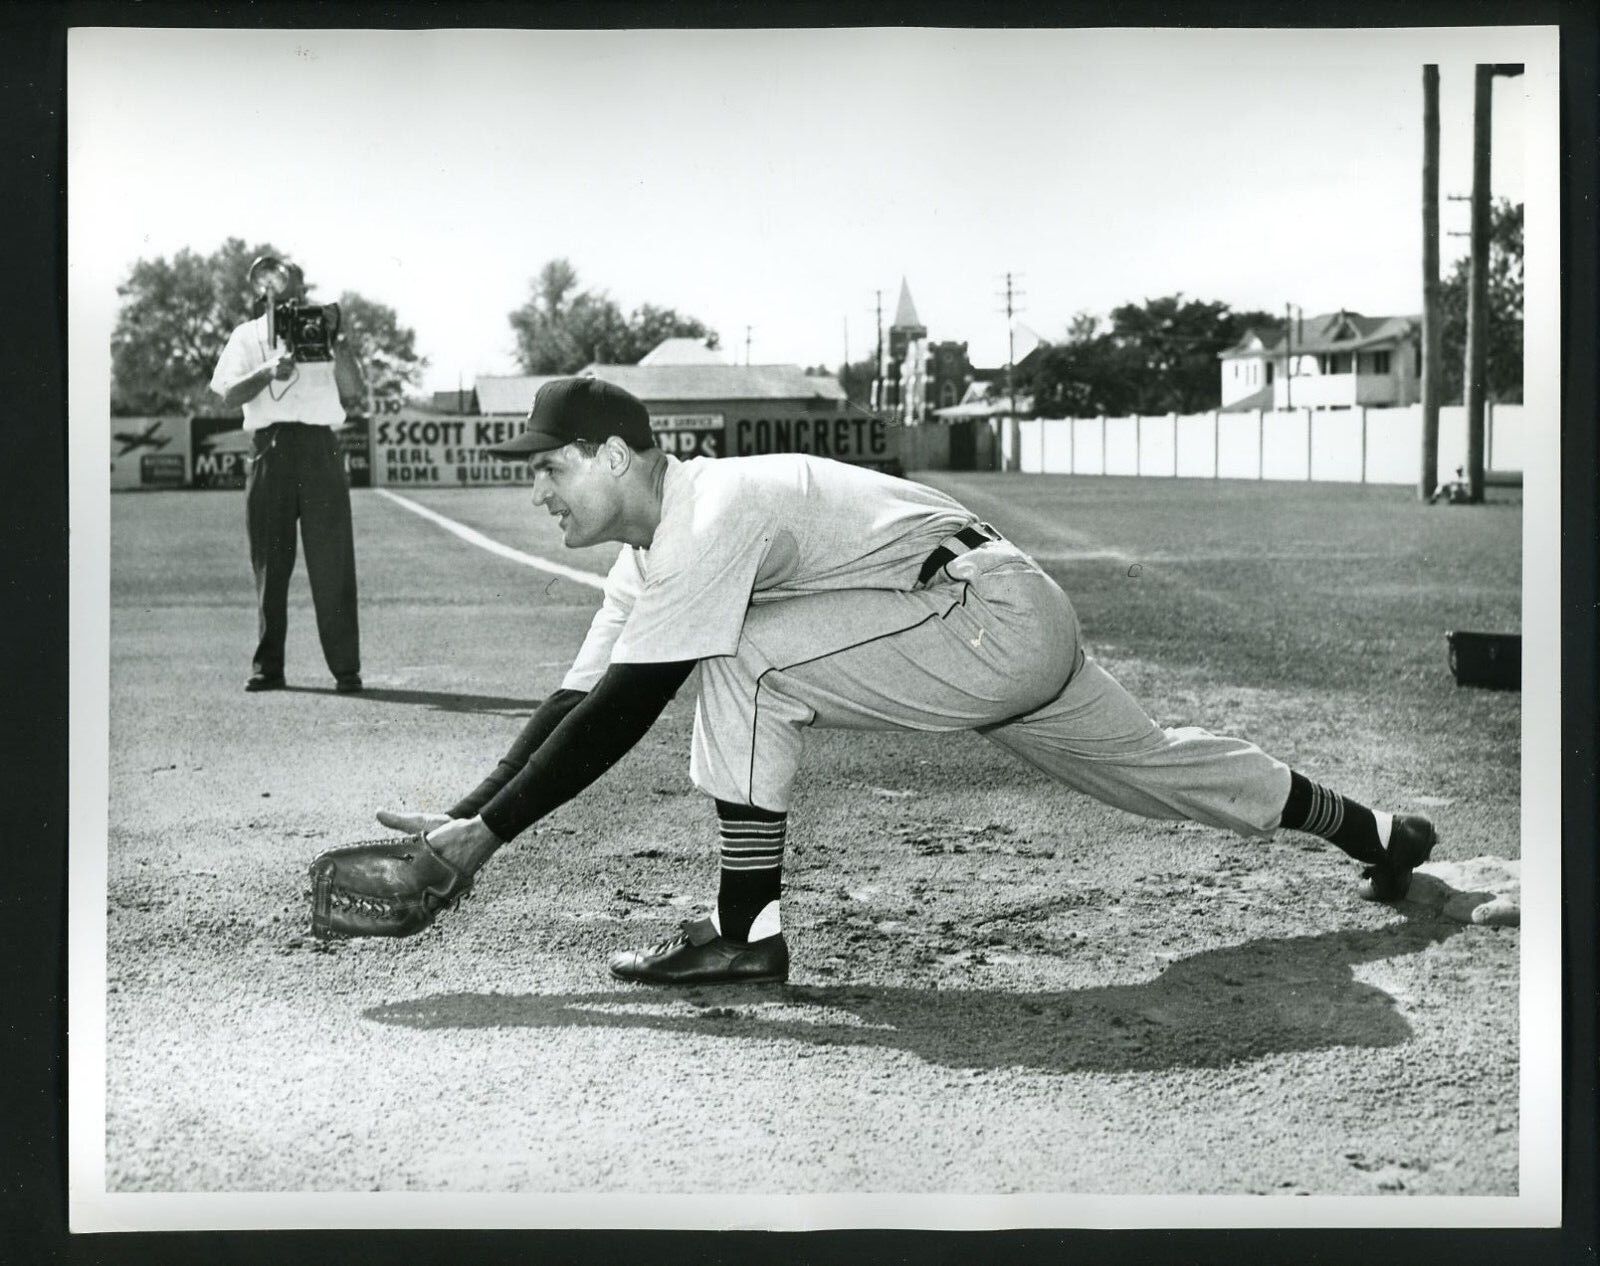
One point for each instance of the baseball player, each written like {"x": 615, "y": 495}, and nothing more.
{"x": 808, "y": 592}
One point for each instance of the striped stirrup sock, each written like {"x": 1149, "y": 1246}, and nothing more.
{"x": 752, "y": 865}
{"x": 1338, "y": 819}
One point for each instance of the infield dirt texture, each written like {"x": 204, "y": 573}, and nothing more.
{"x": 999, "y": 986}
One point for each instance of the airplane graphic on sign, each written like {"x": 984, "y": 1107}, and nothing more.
{"x": 146, "y": 438}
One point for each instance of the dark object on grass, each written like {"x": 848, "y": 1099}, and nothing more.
{"x": 1492, "y": 660}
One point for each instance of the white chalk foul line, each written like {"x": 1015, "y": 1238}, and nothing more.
{"x": 493, "y": 546}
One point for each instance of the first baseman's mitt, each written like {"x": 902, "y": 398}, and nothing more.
{"x": 382, "y": 888}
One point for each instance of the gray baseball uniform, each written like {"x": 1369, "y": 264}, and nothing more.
{"x": 794, "y": 580}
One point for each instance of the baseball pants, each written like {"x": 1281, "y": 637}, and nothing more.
{"x": 991, "y": 645}
{"x": 297, "y": 482}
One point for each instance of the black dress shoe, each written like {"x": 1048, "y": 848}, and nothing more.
{"x": 264, "y": 681}
{"x": 1411, "y": 840}
{"x": 699, "y": 955}
{"x": 348, "y": 685}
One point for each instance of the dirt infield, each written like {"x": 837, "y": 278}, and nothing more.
{"x": 999, "y": 986}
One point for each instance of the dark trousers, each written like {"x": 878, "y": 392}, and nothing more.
{"x": 297, "y": 476}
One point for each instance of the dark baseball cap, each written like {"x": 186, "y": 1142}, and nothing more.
{"x": 567, "y": 409}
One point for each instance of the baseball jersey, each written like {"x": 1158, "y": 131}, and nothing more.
{"x": 742, "y": 530}
{"x": 311, "y": 395}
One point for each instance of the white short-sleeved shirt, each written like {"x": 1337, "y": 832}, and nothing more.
{"x": 737, "y": 530}
{"x": 311, "y": 395}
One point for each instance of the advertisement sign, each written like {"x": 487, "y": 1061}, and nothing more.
{"x": 431, "y": 450}
{"x": 687, "y": 435}
{"x": 219, "y": 447}
{"x": 149, "y": 452}
{"x": 355, "y": 443}
{"x": 863, "y": 440}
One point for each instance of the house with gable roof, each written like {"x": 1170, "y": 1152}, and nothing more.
{"x": 1339, "y": 360}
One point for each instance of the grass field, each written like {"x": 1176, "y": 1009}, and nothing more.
{"x": 999, "y": 987}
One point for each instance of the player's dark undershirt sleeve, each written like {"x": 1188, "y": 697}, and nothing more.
{"x": 540, "y": 726}
{"x": 588, "y": 740}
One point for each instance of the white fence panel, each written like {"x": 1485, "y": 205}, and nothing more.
{"x": 1276, "y": 444}
{"x": 1158, "y": 445}
{"x": 1239, "y": 445}
{"x": 1283, "y": 444}
{"x": 1452, "y": 441}
{"x": 1506, "y": 429}
{"x": 1394, "y": 445}
{"x": 1196, "y": 439}
{"x": 1088, "y": 446}
{"x": 1336, "y": 444}
{"x": 1122, "y": 446}
{"x": 1057, "y": 454}
{"x": 1032, "y": 445}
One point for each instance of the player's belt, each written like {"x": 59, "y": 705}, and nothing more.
{"x": 968, "y": 538}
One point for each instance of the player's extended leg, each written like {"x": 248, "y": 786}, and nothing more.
{"x": 330, "y": 552}
{"x": 270, "y": 517}
{"x": 954, "y": 658}
{"x": 1095, "y": 738}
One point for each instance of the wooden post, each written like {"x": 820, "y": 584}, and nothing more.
{"x": 1478, "y": 278}
{"x": 1364, "y": 444}
{"x": 1428, "y": 477}
{"x": 1261, "y": 444}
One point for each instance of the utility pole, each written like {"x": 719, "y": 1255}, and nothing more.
{"x": 1428, "y": 479}
{"x": 879, "y": 403}
{"x": 747, "y": 345}
{"x": 1013, "y": 429}
{"x": 1288, "y": 356}
{"x": 1478, "y": 277}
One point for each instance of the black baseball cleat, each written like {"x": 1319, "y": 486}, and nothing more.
{"x": 699, "y": 955}
{"x": 1411, "y": 840}
{"x": 348, "y": 684}
{"x": 264, "y": 681}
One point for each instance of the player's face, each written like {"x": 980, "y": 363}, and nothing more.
{"x": 580, "y": 491}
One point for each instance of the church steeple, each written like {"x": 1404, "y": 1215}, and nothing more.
{"x": 905, "y": 312}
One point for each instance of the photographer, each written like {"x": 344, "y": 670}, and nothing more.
{"x": 295, "y": 380}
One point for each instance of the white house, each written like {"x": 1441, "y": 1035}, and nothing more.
{"x": 1335, "y": 361}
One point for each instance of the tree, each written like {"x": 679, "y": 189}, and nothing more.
{"x": 856, "y": 378}
{"x": 1503, "y": 348}
{"x": 385, "y": 349}
{"x": 176, "y": 315}
{"x": 1157, "y": 357}
{"x": 173, "y": 321}
{"x": 560, "y": 329}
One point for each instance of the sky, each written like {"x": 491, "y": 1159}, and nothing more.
{"x": 777, "y": 180}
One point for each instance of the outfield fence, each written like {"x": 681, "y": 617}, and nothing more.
{"x": 1358, "y": 445}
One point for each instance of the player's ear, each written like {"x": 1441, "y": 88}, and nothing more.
{"x": 618, "y": 455}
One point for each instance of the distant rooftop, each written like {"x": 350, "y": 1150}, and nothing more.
{"x": 1330, "y": 332}
{"x": 514, "y": 393}
{"x": 684, "y": 351}
{"x": 509, "y": 393}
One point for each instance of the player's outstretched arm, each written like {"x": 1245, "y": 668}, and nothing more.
{"x": 603, "y": 726}
{"x": 539, "y": 727}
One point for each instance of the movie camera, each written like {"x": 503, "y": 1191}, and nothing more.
{"x": 309, "y": 330}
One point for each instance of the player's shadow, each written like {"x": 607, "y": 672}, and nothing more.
{"x": 438, "y": 700}
{"x": 1214, "y": 1008}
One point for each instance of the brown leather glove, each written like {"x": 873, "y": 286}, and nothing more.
{"x": 382, "y": 888}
